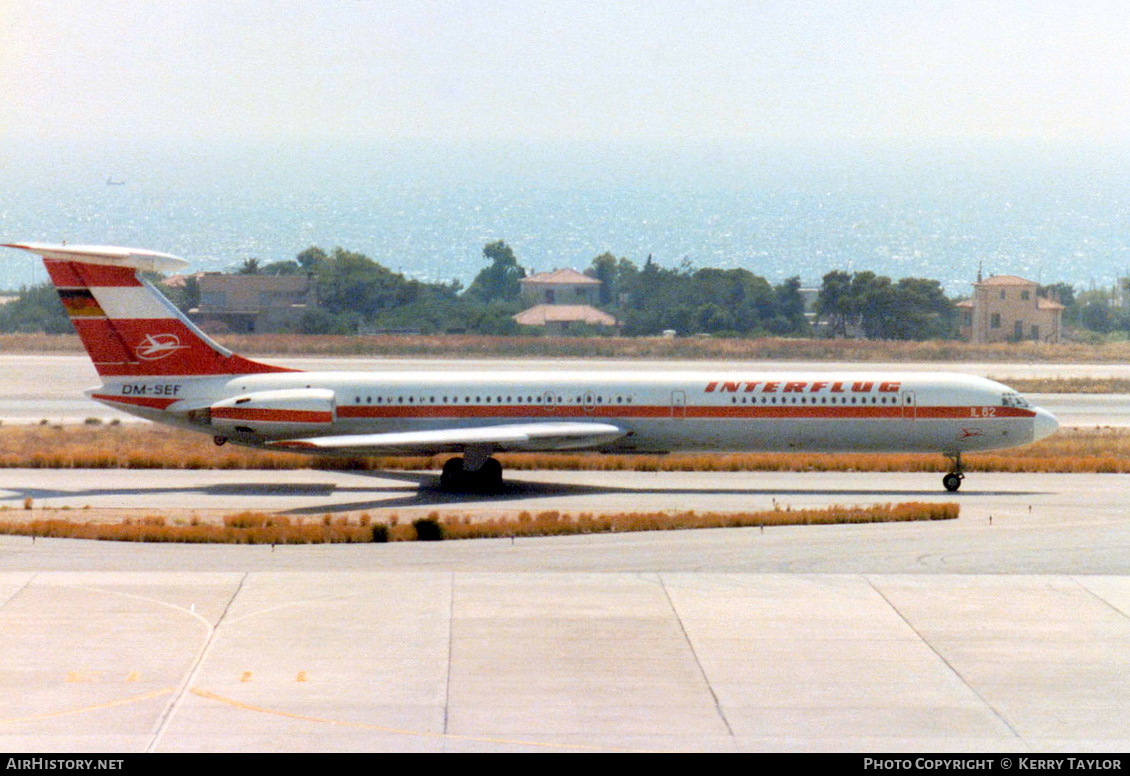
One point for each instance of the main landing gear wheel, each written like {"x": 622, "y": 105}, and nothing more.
{"x": 952, "y": 481}
{"x": 452, "y": 473}
{"x": 490, "y": 475}
{"x": 456, "y": 477}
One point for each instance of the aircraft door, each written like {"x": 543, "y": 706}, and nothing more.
{"x": 679, "y": 404}
{"x": 909, "y": 402}
{"x": 549, "y": 401}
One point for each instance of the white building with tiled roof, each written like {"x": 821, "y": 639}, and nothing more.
{"x": 564, "y": 318}
{"x": 561, "y": 286}
{"x": 562, "y": 302}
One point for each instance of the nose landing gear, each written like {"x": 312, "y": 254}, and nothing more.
{"x": 952, "y": 480}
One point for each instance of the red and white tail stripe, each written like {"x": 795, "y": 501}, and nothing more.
{"x": 127, "y": 327}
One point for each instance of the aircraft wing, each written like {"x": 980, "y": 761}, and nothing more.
{"x": 502, "y": 438}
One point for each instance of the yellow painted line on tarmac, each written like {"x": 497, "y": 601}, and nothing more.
{"x": 88, "y": 709}
{"x": 395, "y": 731}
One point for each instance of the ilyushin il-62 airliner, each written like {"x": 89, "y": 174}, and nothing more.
{"x": 156, "y": 364}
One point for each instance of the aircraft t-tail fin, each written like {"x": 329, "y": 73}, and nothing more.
{"x": 127, "y": 326}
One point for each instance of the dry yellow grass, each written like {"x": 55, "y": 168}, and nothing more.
{"x": 261, "y": 528}
{"x": 554, "y": 523}
{"x": 128, "y": 446}
{"x": 145, "y": 446}
{"x": 243, "y": 528}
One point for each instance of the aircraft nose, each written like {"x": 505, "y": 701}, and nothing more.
{"x": 1044, "y": 425}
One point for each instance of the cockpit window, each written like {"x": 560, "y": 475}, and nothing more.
{"x": 1013, "y": 399}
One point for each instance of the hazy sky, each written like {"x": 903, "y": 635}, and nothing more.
{"x": 656, "y": 69}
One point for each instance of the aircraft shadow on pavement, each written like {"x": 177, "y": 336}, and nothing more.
{"x": 425, "y": 491}
{"x": 399, "y": 489}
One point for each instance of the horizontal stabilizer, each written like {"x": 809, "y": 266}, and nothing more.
{"x": 516, "y": 436}
{"x": 106, "y": 255}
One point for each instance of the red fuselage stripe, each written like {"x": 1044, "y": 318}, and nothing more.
{"x": 747, "y": 412}
{"x": 139, "y": 401}
{"x": 272, "y": 416}
{"x": 449, "y": 412}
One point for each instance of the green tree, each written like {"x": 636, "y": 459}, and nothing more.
{"x": 1096, "y": 315}
{"x": 312, "y": 258}
{"x": 709, "y": 300}
{"x": 186, "y": 296}
{"x": 321, "y": 321}
{"x": 627, "y": 279}
{"x": 834, "y": 303}
{"x": 352, "y": 282}
{"x": 281, "y": 268}
{"x": 249, "y": 267}
{"x": 913, "y": 308}
{"x": 37, "y": 308}
{"x": 790, "y": 306}
{"x": 495, "y": 318}
{"x": 748, "y": 299}
{"x": 499, "y": 281}
{"x": 1064, "y": 293}
{"x": 604, "y": 269}
{"x": 872, "y": 303}
{"x": 924, "y": 311}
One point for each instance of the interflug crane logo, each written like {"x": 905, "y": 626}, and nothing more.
{"x": 157, "y": 346}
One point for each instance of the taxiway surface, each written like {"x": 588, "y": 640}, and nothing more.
{"x": 1005, "y": 630}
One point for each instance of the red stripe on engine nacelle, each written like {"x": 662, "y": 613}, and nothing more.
{"x": 272, "y": 416}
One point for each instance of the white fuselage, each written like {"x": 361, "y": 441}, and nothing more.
{"x": 659, "y": 411}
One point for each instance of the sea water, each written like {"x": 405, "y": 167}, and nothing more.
{"x": 1047, "y": 213}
